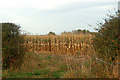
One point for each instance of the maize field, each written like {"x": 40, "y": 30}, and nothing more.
{"x": 58, "y": 44}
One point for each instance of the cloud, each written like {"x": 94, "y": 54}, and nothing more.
{"x": 40, "y": 4}
{"x": 83, "y": 6}
{"x": 58, "y": 15}
{"x": 44, "y": 4}
{"x": 119, "y": 5}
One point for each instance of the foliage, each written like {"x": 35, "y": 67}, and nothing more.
{"x": 106, "y": 40}
{"x": 13, "y": 49}
{"x": 51, "y": 33}
{"x": 79, "y": 31}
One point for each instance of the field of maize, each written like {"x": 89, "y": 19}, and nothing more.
{"x": 58, "y": 44}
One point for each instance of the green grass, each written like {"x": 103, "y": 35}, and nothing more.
{"x": 47, "y": 73}
{"x": 49, "y": 67}
{"x": 42, "y": 73}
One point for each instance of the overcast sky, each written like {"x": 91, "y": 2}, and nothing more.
{"x": 43, "y": 16}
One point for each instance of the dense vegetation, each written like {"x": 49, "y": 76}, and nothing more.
{"x": 106, "y": 40}
{"x": 12, "y": 48}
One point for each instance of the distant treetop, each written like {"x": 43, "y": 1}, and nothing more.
{"x": 51, "y": 33}
{"x": 79, "y": 31}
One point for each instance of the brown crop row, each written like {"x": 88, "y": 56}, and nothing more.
{"x": 61, "y": 44}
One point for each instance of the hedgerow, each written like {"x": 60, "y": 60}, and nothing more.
{"x": 106, "y": 40}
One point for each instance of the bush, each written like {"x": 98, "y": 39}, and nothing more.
{"x": 13, "y": 49}
{"x": 106, "y": 40}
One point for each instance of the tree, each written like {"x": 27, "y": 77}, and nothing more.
{"x": 79, "y": 30}
{"x": 84, "y": 31}
{"x": 51, "y": 33}
{"x": 13, "y": 49}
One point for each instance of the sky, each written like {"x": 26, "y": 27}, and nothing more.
{"x": 43, "y": 16}
{"x": 119, "y": 5}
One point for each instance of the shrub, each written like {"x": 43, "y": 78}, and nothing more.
{"x": 106, "y": 40}
{"x": 13, "y": 49}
